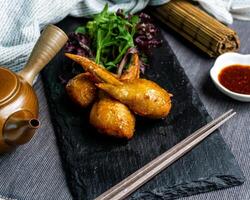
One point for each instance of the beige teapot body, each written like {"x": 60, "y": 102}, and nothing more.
{"x": 18, "y": 101}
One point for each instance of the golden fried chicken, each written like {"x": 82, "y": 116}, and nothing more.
{"x": 133, "y": 71}
{"x": 82, "y": 90}
{"x": 108, "y": 115}
{"x": 101, "y": 74}
{"x": 142, "y": 96}
{"x": 113, "y": 118}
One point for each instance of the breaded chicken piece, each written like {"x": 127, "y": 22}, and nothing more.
{"x": 112, "y": 118}
{"x": 133, "y": 71}
{"x": 142, "y": 96}
{"x": 82, "y": 90}
{"x": 109, "y": 116}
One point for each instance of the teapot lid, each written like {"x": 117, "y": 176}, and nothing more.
{"x": 8, "y": 84}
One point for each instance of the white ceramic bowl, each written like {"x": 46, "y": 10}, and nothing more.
{"x": 226, "y": 60}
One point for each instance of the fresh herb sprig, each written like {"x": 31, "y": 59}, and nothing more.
{"x": 112, "y": 36}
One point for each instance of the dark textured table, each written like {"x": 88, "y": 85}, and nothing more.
{"x": 39, "y": 174}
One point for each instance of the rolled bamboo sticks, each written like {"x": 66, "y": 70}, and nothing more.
{"x": 211, "y": 36}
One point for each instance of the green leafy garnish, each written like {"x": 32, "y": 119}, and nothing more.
{"x": 81, "y": 29}
{"x": 111, "y": 36}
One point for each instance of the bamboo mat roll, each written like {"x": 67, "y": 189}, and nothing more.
{"x": 208, "y": 34}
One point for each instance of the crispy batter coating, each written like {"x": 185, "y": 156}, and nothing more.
{"x": 112, "y": 118}
{"x": 96, "y": 70}
{"x": 142, "y": 96}
{"x": 133, "y": 72}
{"x": 109, "y": 116}
{"x": 82, "y": 90}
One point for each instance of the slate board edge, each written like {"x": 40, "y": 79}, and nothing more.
{"x": 192, "y": 188}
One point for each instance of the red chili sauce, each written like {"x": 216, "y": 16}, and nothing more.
{"x": 236, "y": 78}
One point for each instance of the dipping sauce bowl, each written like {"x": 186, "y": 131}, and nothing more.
{"x": 226, "y": 78}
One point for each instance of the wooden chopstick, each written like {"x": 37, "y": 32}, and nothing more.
{"x": 144, "y": 174}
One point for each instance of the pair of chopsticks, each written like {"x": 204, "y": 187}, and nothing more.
{"x": 143, "y": 175}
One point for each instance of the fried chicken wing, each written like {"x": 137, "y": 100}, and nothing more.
{"x": 82, "y": 90}
{"x": 98, "y": 71}
{"x": 133, "y": 72}
{"x": 112, "y": 118}
{"x": 144, "y": 97}
{"x": 109, "y": 116}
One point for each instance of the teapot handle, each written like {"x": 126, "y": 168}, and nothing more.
{"x": 48, "y": 45}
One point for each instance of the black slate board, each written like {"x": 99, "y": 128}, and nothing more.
{"x": 94, "y": 163}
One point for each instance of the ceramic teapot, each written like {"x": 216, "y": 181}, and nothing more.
{"x": 18, "y": 101}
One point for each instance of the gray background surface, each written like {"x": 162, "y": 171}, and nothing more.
{"x": 34, "y": 171}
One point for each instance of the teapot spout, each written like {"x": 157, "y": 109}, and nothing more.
{"x": 20, "y": 128}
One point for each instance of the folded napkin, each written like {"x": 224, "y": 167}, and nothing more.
{"x": 226, "y": 10}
